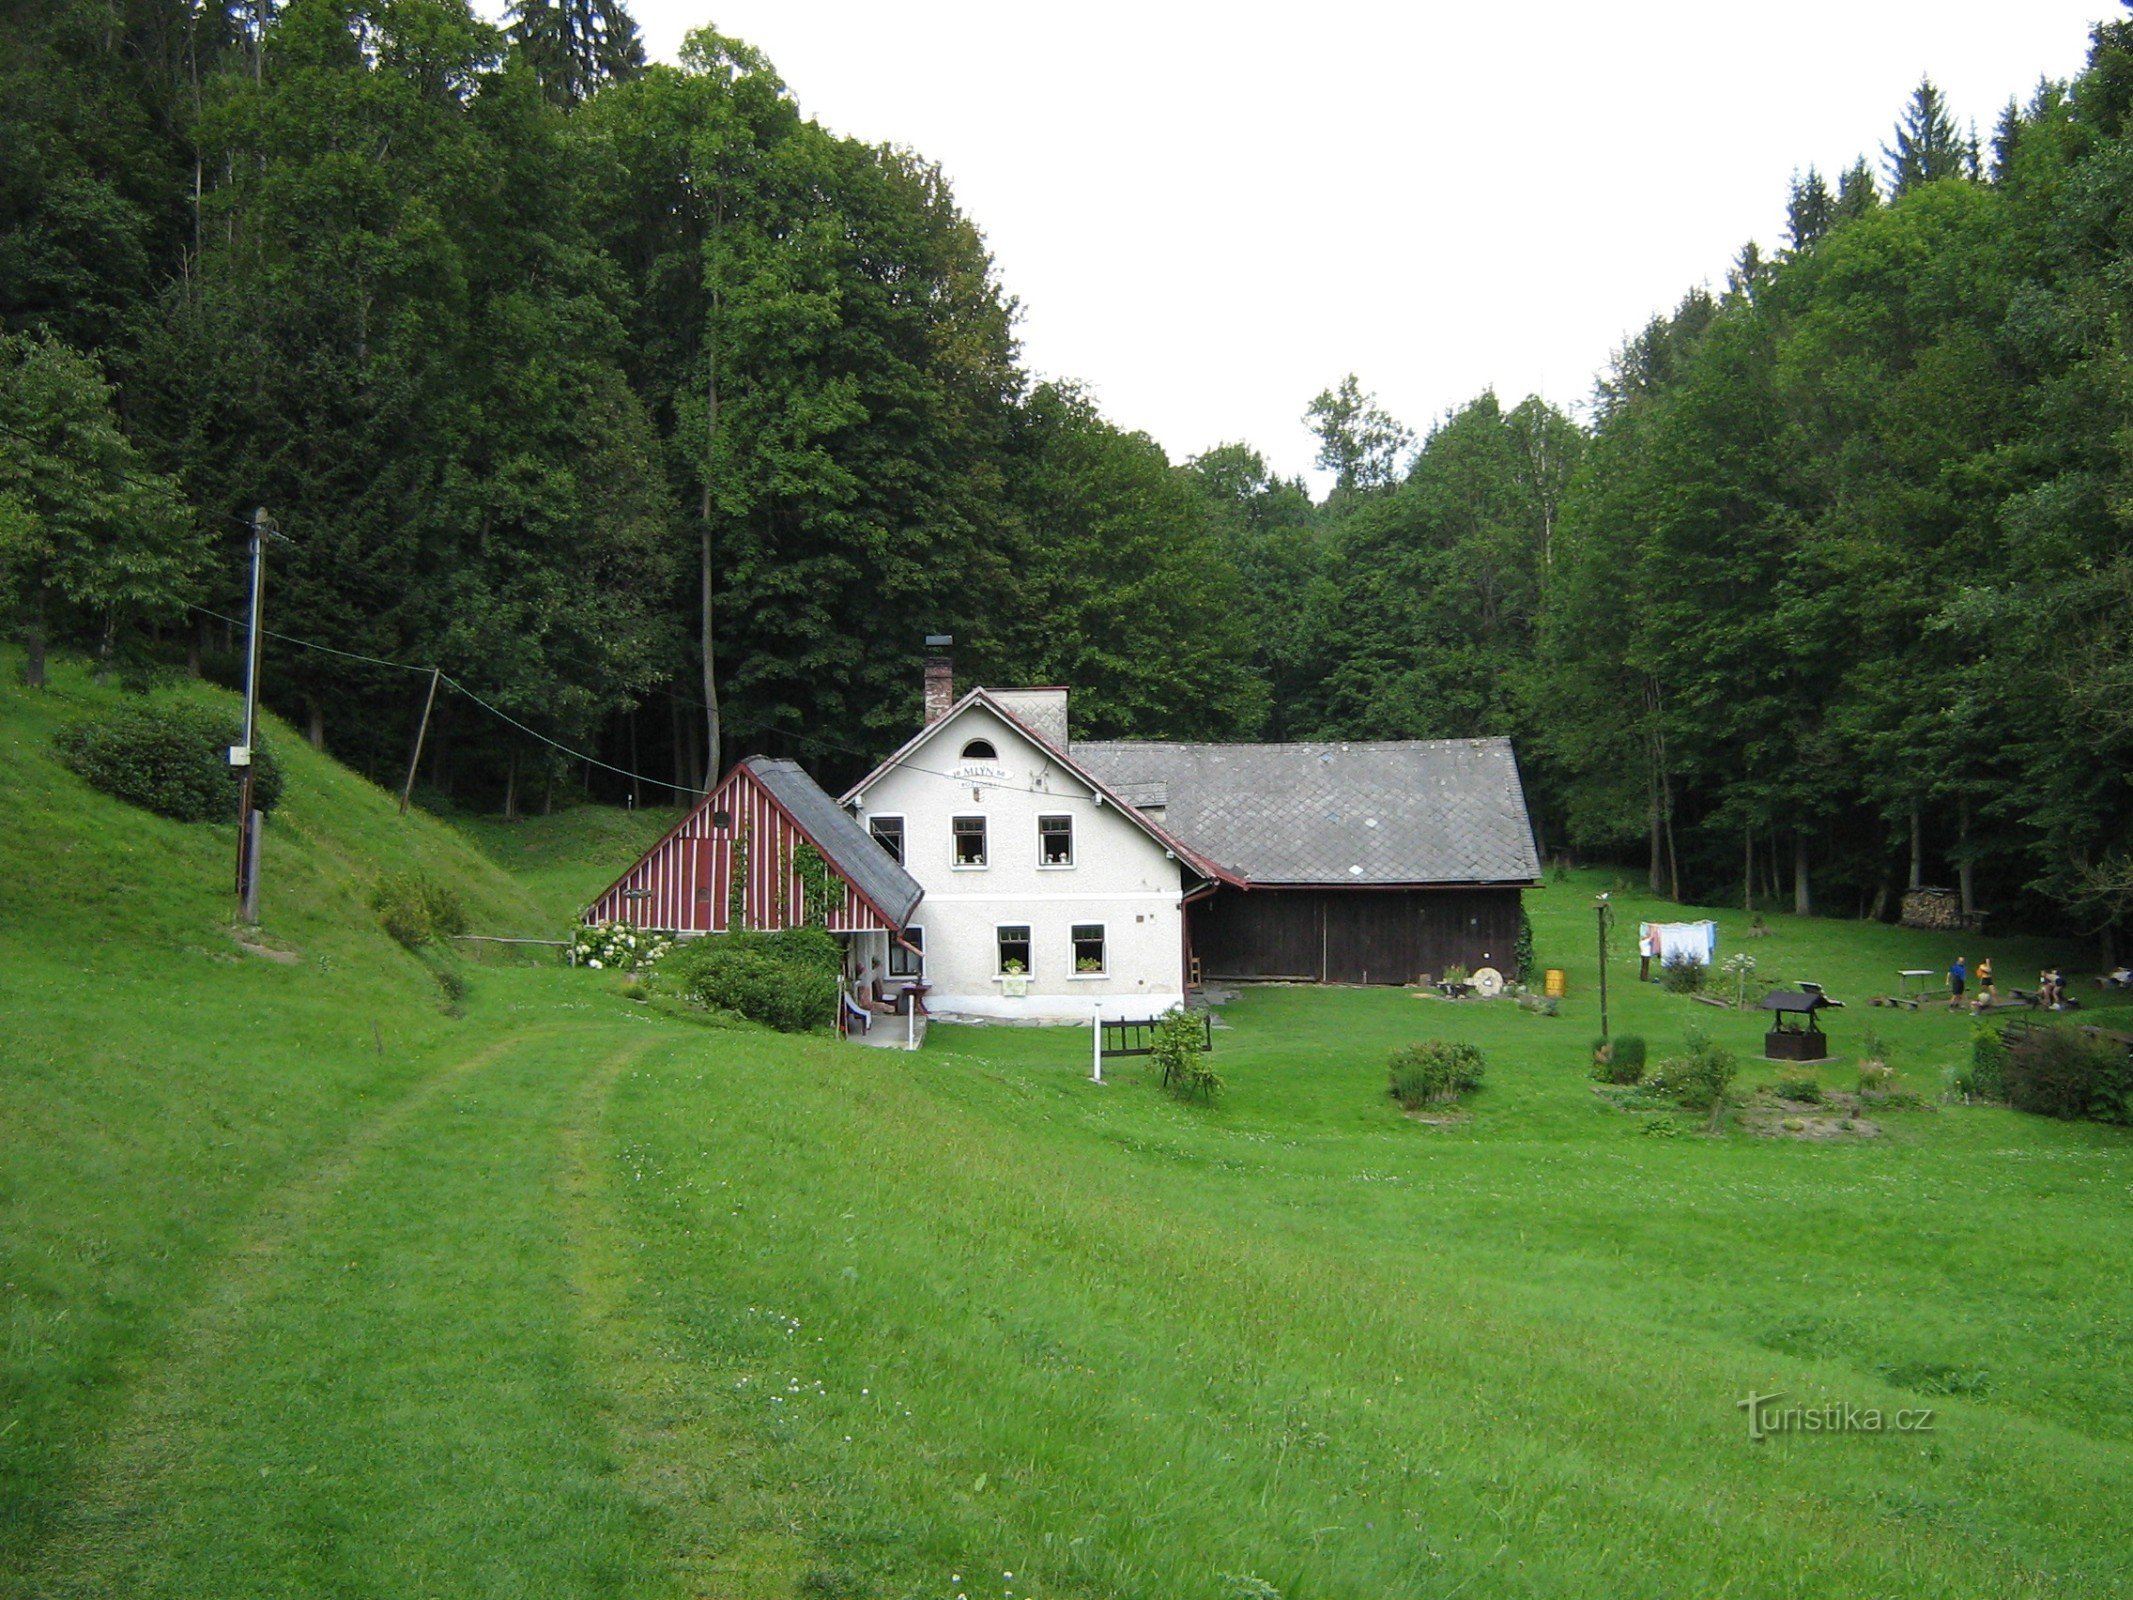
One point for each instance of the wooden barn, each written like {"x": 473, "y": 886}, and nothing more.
{"x": 748, "y": 856}
{"x": 1369, "y": 861}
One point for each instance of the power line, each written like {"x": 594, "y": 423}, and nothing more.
{"x": 579, "y": 755}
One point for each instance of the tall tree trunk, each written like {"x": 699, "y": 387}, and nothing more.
{"x": 679, "y": 729}
{"x": 315, "y": 731}
{"x": 712, "y": 731}
{"x": 1653, "y": 877}
{"x": 33, "y": 644}
{"x": 511, "y": 788}
{"x": 1673, "y": 862}
{"x": 1802, "y": 899}
{"x": 1918, "y": 846}
{"x": 1962, "y": 852}
{"x": 711, "y": 727}
{"x": 636, "y": 783}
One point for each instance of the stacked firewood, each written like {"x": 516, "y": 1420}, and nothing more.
{"x": 1940, "y": 910}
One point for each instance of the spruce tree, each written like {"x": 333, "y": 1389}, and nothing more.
{"x": 1928, "y": 145}
{"x": 574, "y": 46}
{"x": 1856, "y": 193}
{"x": 1809, "y": 212}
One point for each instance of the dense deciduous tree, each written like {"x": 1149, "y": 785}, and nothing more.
{"x": 90, "y": 540}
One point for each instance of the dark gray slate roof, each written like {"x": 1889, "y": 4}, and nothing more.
{"x": 848, "y": 847}
{"x": 1390, "y": 811}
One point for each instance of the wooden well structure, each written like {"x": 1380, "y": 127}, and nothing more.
{"x": 1795, "y": 1028}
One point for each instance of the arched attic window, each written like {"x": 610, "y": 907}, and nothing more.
{"x": 980, "y": 750}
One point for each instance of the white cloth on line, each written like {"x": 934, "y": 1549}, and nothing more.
{"x": 1687, "y": 941}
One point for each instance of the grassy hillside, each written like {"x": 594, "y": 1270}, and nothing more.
{"x": 159, "y": 1085}
{"x": 565, "y": 859}
{"x": 563, "y": 1298}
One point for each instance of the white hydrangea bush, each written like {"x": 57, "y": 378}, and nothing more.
{"x": 617, "y": 946}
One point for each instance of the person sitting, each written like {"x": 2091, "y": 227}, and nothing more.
{"x": 2122, "y": 978}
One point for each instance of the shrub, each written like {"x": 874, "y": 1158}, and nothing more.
{"x": 2070, "y": 1072}
{"x": 1618, "y": 1060}
{"x": 168, "y": 755}
{"x": 1698, "y": 1078}
{"x": 787, "y": 980}
{"x": 1682, "y": 975}
{"x": 1986, "y": 1076}
{"x": 1434, "y": 1070}
{"x": 619, "y": 946}
{"x": 1175, "y": 1051}
{"x": 1808, "y": 1091}
{"x": 1875, "y": 1077}
{"x": 416, "y": 909}
{"x": 1522, "y": 958}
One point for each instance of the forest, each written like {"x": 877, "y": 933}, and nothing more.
{"x": 667, "y": 424}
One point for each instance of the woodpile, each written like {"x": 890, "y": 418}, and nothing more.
{"x": 1939, "y": 910}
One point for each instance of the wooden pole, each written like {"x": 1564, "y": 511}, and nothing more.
{"x": 247, "y": 835}
{"x": 422, "y": 729}
{"x": 1602, "y": 910}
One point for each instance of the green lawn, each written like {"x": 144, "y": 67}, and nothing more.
{"x": 562, "y": 1297}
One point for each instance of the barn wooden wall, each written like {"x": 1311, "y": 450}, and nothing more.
{"x": 1353, "y": 935}
{"x": 681, "y": 885}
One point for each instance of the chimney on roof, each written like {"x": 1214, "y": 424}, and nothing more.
{"x": 940, "y": 676}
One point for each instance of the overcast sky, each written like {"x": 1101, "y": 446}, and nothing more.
{"x": 1211, "y": 212}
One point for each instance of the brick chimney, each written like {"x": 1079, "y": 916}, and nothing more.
{"x": 940, "y": 676}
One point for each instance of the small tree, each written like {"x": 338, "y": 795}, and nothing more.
{"x": 1177, "y": 1049}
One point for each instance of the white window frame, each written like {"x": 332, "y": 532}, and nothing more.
{"x": 1103, "y": 934}
{"x": 1029, "y": 943}
{"x": 898, "y": 954}
{"x": 1066, "y": 817}
{"x": 955, "y": 838}
{"x": 903, "y": 834}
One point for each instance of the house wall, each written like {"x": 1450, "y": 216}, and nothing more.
{"x": 684, "y": 883}
{"x": 1353, "y": 935}
{"x": 1120, "y": 878}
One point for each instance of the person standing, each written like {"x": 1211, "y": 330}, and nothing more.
{"x": 1958, "y": 979}
{"x": 1647, "y": 947}
{"x": 1985, "y": 995}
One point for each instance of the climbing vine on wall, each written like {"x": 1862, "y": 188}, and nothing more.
{"x": 820, "y": 890}
{"x": 737, "y": 885}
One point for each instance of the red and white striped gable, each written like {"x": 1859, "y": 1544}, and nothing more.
{"x": 684, "y": 883}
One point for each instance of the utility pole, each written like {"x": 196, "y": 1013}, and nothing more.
{"x": 414, "y": 761}
{"x": 248, "y": 820}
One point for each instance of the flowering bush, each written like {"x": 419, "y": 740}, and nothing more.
{"x": 620, "y": 946}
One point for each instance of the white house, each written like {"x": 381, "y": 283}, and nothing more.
{"x": 1046, "y": 896}
{"x": 1019, "y": 874}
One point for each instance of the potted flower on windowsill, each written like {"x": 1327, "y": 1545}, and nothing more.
{"x": 1089, "y": 967}
{"x": 1014, "y": 980}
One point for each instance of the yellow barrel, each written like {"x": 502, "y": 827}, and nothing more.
{"x": 1554, "y": 985}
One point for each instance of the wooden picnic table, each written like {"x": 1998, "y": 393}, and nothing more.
{"x": 1915, "y": 985}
